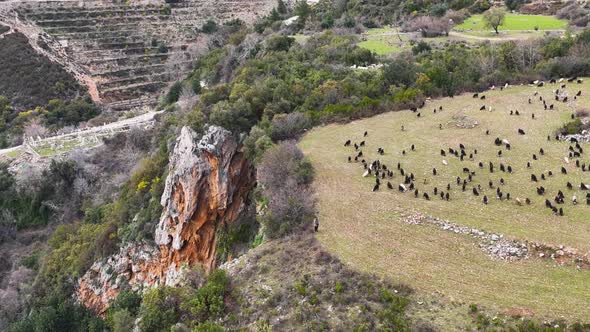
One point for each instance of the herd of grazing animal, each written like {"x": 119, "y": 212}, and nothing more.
{"x": 465, "y": 181}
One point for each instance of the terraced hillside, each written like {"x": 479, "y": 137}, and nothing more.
{"x": 127, "y": 53}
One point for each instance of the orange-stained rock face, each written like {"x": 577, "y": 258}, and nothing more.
{"x": 206, "y": 188}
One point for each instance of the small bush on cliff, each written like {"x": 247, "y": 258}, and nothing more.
{"x": 174, "y": 93}
{"x": 74, "y": 248}
{"x": 122, "y": 321}
{"x": 163, "y": 307}
{"x": 208, "y": 301}
{"x": 257, "y": 142}
{"x": 284, "y": 174}
{"x": 123, "y": 310}
{"x": 160, "y": 308}
{"x": 208, "y": 326}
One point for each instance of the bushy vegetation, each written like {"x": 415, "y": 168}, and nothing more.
{"x": 265, "y": 84}
{"x": 285, "y": 174}
{"x": 90, "y": 231}
{"x": 572, "y": 127}
{"x": 59, "y": 313}
{"x": 42, "y": 120}
{"x": 122, "y": 312}
{"x": 27, "y": 206}
{"x": 281, "y": 79}
{"x": 29, "y": 79}
{"x": 164, "y": 306}
{"x": 295, "y": 279}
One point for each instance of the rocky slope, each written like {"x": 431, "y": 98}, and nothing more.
{"x": 206, "y": 189}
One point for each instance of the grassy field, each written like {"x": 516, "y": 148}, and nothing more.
{"x": 364, "y": 228}
{"x": 385, "y": 41}
{"x": 516, "y": 22}
{"x": 382, "y": 45}
{"x": 47, "y": 149}
{"x": 14, "y": 153}
{"x": 508, "y": 34}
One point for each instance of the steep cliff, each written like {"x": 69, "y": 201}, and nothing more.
{"x": 206, "y": 188}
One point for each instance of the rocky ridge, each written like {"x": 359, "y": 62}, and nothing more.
{"x": 206, "y": 189}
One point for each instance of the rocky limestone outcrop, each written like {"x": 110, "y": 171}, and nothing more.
{"x": 206, "y": 188}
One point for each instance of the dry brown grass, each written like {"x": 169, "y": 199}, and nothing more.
{"x": 364, "y": 229}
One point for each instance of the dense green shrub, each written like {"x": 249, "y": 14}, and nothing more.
{"x": 556, "y": 47}
{"x": 327, "y": 21}
{"x": 401, "y": 72}
{"x": 208, "y": 326}
{"x": 32, "y": 261}
{"x": 60, "y": 113}
{"x": 480, "y": 6}
{"x": 257, "y": 142}
{"x": 122, "y": 321}
{"x": 174, "y": 93}
{"x": 122, "y": 312}
{"x": 164, "y": 306}
{"x": 59, "y": 313}
{"x": 360, "y": 57}
{"x": 126, "y": 300}
{"x": 572, "y": 127}
{"x": 279, "y": 43}
{"x": 209, "y": 27}
{"x": 393, "y": 316}
{"x": 237, "y": 116}
{"x": 160, "y": 308}
{"x": 513, "y": 4}
{"x": 208, "y": 301}
{"x": 439, "y": 9}
{"x": 421, "y": 47}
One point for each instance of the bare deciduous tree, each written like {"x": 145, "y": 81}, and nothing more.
{"x": 289, "y": 200}
{"x": 187, "y": 100}
{"x": 35, "y": 129}
{"x": 429, "y": 26}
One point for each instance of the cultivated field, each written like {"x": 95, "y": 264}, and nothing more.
{"x": 366, "y": 228}
{"x": 516, "y": 22}
{"x": 387, "y": 40}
